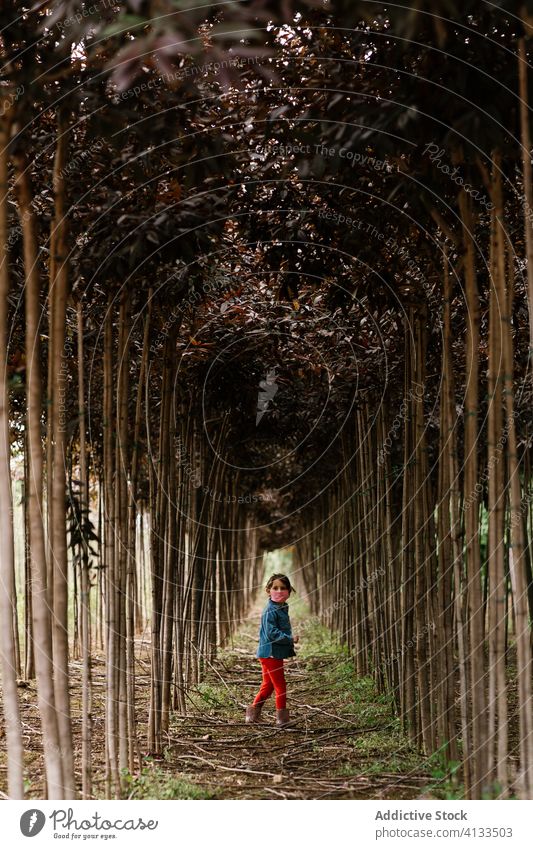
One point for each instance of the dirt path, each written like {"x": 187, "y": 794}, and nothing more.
{"x": 344, "y": 745}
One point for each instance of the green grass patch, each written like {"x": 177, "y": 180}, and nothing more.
{"x": 447, "y": 778}
{"x": 155, "y": 783}
{"x": 212, "y": 696}
{"x": 316, "y": 640}
{"x": 387, "y": 750}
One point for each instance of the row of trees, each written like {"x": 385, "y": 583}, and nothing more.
{"x": 89, "y": 359}
{"x": 387, "y": 568}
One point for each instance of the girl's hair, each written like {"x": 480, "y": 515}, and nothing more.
{"x": 278, "y": 576}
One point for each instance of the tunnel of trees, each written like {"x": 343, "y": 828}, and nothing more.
{"x": 266, "y": 282}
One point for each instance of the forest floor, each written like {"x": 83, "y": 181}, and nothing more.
{"x": 345, "y": 743}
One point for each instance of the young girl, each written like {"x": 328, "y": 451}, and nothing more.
{"x": 275, "y": 643}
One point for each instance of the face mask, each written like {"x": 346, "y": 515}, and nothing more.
{"x": 279, "y": 595}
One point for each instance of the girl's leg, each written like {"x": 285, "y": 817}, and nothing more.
{"x": 277, "y": 675}
{"x": 267, "y": 687}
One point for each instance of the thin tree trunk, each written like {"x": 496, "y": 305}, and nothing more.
{"x": 455, "y": 523}
{"x": 523, "y": 67}
{"x": 160, "y": 478}
{"x": 517, "y": 570}
{"x": 113, "y": 777}
{"x": 42, "y": 626}
{"x": 132, "y": 585}
{"x": 423, "y": 587}
{"x": 29, "y": 655}
{"x": 15, "y": 759}
{"x": 121, "y": 526}
{"x": 471, "y": 508}
{"x": 59, "y": 290}
{"x": 408, "y": 679}
{"x": 497, "y": 730}
{"x": 86, "y": 697}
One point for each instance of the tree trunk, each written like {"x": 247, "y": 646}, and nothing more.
{"x": 15, "y": 759}
{"x": 523, "y": 67}
{"x": 60, "y": 356}
{"x": 471, "y": 507}
{"x": 448, "y": 456}
{"x": 85, "y": 599}
{"x": 497, "y": 728}
{"x": 517, "y": 571}
{"x": 121, "y": 528}
{"x": 42, "y": 626}
{"x": 113, "y": 777}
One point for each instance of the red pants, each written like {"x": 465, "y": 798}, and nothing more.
{"x": 273, "y": 679}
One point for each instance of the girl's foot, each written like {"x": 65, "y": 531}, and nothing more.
{"x": 253, "y": 713}
{"x": 283, "y": 717}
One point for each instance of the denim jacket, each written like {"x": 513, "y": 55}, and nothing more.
{"x": 275, "y": 633}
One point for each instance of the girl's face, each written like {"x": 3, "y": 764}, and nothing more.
{"x": 278, "y": 585}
